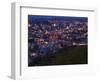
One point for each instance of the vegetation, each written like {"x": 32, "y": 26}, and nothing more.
{"x": 72, "y": 55}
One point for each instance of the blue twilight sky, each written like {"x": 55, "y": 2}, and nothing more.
{"x": 66, "y": 18}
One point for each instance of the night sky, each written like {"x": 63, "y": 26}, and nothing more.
{"x": 65, "y": 18}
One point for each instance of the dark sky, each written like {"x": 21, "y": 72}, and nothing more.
{"x": 67, "y": 18}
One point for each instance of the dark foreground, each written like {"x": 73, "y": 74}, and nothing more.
{"x": 72, "y": 55}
